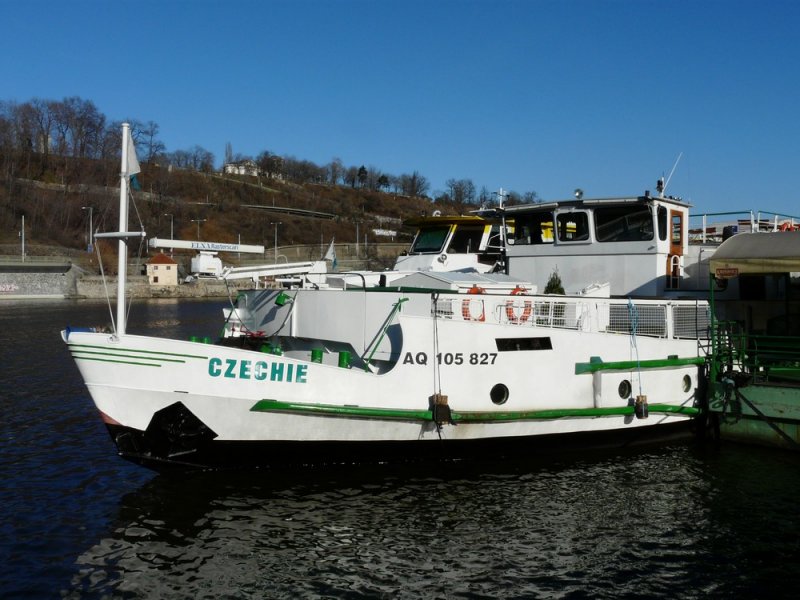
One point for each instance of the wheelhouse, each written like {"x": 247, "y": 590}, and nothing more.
{"x": 453, "y": 243}
{"x": 636, "y": 245}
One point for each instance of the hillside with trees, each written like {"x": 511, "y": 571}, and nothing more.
{"x": 59, "y": 166}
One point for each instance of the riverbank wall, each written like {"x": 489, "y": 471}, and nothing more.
{"x": 39, "y": 278}
{"x": 139, "y": 287}
{"x": 75, "y": 275}
{"x": 72, "y": 282}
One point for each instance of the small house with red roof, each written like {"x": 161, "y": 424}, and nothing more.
{"x": 162, "y": 270}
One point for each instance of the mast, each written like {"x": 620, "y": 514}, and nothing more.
{"x": 129, "y": 166}
{"x": 122, "y": 245}
{"x": 501, "y": 198}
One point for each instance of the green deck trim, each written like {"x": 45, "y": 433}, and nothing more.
{"x": 402, "y": 414}
{"x": 596, "y": 364}
{"x": 394, "y": 414}
{"x": 477, "y": 417}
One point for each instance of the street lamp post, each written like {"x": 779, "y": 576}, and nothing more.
{"x": 91, "y": 232}
{"x": 198, "y": 221}
{"x": 22, "y": 235}
{"x": 171, "y": 223}
{"x": 276, "y": 239}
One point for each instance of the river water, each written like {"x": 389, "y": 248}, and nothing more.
{"x": 676, "y": 521}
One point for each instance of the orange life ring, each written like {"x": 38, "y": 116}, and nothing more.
{"x": 511, "y": 312}
{"x": 785, "y": 226}
{"x": 475, "y": 290}
{"x": 466, "y": 311}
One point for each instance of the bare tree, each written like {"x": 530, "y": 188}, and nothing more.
{"x": 351, "y": 176}
{"x": 42, "y": 114}
{"x": 79, "y": 128}
{"x": 336, "y": 171}
{"x": 414, "y": 184}
{"x": 461, "y": 191}
{"x": 270, "y": 163}
{"x": 151, "y": 146}
{"x": 530, "y": 197}
{"x": 373, "y": 175}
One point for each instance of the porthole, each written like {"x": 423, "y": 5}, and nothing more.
{"x": 624, "y": 389}
{"x": 499, "y": 393}
{"x": 687, "y": 383}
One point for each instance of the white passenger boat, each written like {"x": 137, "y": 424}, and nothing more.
{"x": 445, "y": 363}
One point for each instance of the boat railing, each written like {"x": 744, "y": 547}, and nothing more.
{"x": 756, "y": 358}
{"x": 651, "y": 318}
{"x": 710, "y": 227}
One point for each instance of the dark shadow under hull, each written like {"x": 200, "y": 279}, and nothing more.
{"x": 206, "y": 453}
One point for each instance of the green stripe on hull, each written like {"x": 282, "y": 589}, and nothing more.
{"x": 89, "y": 355}
{"x": 109, "y": 360}
{"x": 595, "y": 364}
{"x": 74, "y": 347}
{"x": 398, "y": 414}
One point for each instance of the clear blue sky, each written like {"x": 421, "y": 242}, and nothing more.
{"x": 542, "y": 96}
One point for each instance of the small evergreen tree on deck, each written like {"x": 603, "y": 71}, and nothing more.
{"x": 554, "y": 285}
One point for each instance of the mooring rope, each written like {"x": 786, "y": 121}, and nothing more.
{"x": 633, "y": 315}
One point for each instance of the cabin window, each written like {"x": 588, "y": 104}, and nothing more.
{"x": 495, "y": 240}
{"x": 623, "y": 223}
{"x": 662, "y": 223}
{"x": 466, "y": 239}
{"x": 536, "y": 228}
{"x": 525, "y": 343}
{"x": 431, "y": 240}
{"x": 573, "y": 226}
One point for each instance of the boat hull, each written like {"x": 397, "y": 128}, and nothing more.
{"x": 135, "y": 446}
{"x": 439, "y": 387}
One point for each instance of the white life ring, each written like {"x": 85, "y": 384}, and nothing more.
{"x": 467, "y": 312}
{"x": 516, "y": 314}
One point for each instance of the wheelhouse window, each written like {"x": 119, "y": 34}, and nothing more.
{"x": 431, "y": 239}
{"x": 535, "y": 228}
{"x": 573, "y": 226}
{"x": 623, "y": 223}
{"x": 467, "y": 238}
{"x": 662, "y": 223}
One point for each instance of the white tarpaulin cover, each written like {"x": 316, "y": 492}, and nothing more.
{"x": 751, "y": 253}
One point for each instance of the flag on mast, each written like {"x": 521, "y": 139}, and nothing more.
{"x": 132, "y": 166}
{"x": 331, "y": 254}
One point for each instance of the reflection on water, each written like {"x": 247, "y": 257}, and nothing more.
{"x": 675, "y": 521}
{"x": 655, "y": 523}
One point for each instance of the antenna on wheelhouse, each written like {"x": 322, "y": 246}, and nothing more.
{"x": 501, "y": 198}
{"x": 662, "y": 185}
